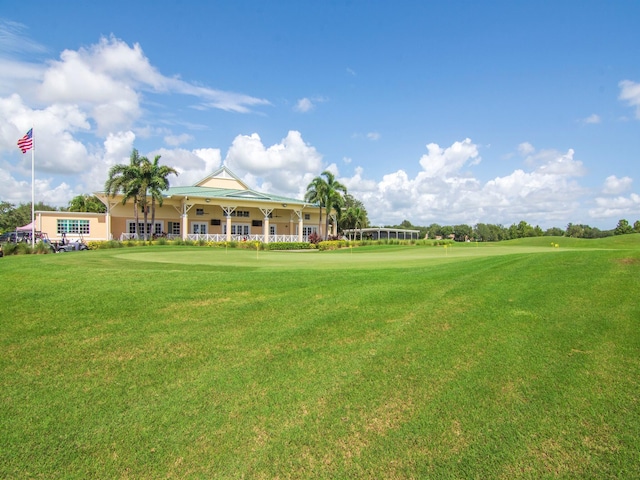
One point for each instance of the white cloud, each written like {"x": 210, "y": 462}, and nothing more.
{"x": 192, "y": 165}
{"x": 443, "y": 192}
{"x": 630, "y": 93}
{"x": 441, "y": 162}
{"x": 101, "y": 90}
{"x": 285, "y": 168}
{"x": 616, "y": 208}
{"x": 615, "y": 186}
{"x": 592, "y": 119}
{"x": 304, "y": 105}
{"x": 373, "y": 136}
{"x": 525, "y": 149}
{"x": 175, "y": 140}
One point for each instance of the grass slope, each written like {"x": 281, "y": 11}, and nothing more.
{"x": 512, "y": 360}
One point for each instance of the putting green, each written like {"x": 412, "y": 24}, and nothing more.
{"x": 363, "y": 257}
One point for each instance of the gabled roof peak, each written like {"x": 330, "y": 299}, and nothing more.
{"x": 223, "y": 178}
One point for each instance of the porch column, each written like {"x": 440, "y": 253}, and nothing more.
{"x": 228, "y": 211}
{"x": 300, "y": 225}
{"x": 108, "y": 224}
{"x": 185, "y": 225}
{"x": 266, "y": 212}
{"x": 185, "y": 217}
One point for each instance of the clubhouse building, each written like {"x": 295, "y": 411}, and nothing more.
{"x": 220, "y": 207}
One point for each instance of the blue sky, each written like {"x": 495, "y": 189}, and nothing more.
{"x": 446, "y": 112}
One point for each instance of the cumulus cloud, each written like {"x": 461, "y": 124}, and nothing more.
{"x": 439, "y": 162}
{"x": 445, "y": 191}
{"x": 614, "y": 185}
{"x": 286, "y": 167}
{"x": 616, "y": 207}
{"x": 84, "y": 108}
{"x": 192, "y": 165}
{"x": 630, "y": 93}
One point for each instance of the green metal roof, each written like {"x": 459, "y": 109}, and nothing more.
{"x": 228, "y": 194}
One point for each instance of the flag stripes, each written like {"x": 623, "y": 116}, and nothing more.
{"x": 26, "y": 143}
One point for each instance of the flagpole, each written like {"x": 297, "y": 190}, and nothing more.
{"x": 33, "y": 190}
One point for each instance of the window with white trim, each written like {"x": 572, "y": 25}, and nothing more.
{"x": 237, "y": 229}
{"x": 173, "y": 228}
{"x": 157, "y": 230}
{"x": 199, "y": 228}
{"x": 76, "y": 226}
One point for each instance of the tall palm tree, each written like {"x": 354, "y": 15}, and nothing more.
{"x": 316, "y": 193}
{"x": 334, "y": 198}
{"x": 157, "y": 182}
{"x": 127, "y": 180}
{"x": 326, "y": 193}
{"x": 356, "y": 216}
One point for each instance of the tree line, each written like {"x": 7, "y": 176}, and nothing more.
{"x": 486, "y": 232}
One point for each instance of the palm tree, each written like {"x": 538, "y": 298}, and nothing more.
{"x": 357, "y": 216}
{"x": 316, "y": 193}
{"x": 326, "y": 193}
{"x": 127, "y": 179}
{"x": 156, "y": 182}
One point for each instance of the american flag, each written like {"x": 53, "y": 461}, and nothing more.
{"x": 26, "y": 143}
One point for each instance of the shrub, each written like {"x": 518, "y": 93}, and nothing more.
{"x": 10, "y": 248}
{"x": 314, "y": 238}
{"x": 289, "y": 246}
{"x": 332, "y": 244}
{"x": 43, "y": 248}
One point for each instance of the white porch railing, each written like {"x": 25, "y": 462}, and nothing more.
{"x": 221, "y": 237}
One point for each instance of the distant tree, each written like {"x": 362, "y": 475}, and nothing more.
{"x": 482, "y": 232}
{"x": 351, "y": 215}
{"x": 12, "y": 217}
{"x": 446, "y": 230}
{"x": 623, "y": 228}
{"x": 574, "y": 231}
{"x": 358, "y": 217}
{"x": 434, "y": 230}
{"x": 462, "y": 232}
{"x": 554, "y": 232}
{"x": 86, "y": 203}
{"x": 636, "y": 226}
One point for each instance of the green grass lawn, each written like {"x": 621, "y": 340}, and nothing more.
{"x": 507, "y": 360}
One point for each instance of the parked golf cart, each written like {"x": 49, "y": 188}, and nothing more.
{"x": 71, "y": 246}
{"x": 65, "y": 245}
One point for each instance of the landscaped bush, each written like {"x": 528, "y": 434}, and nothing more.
{"x": 104, "y": 244}
{"x": 10, "y": 248}
{"x": 314, "y": 238}
{"x": 289, "y": 246}
{"x": 42, "y": 248}
{"x": 333, "y": 244}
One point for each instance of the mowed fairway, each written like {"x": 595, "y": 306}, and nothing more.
{"x": 510, "y": 360}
